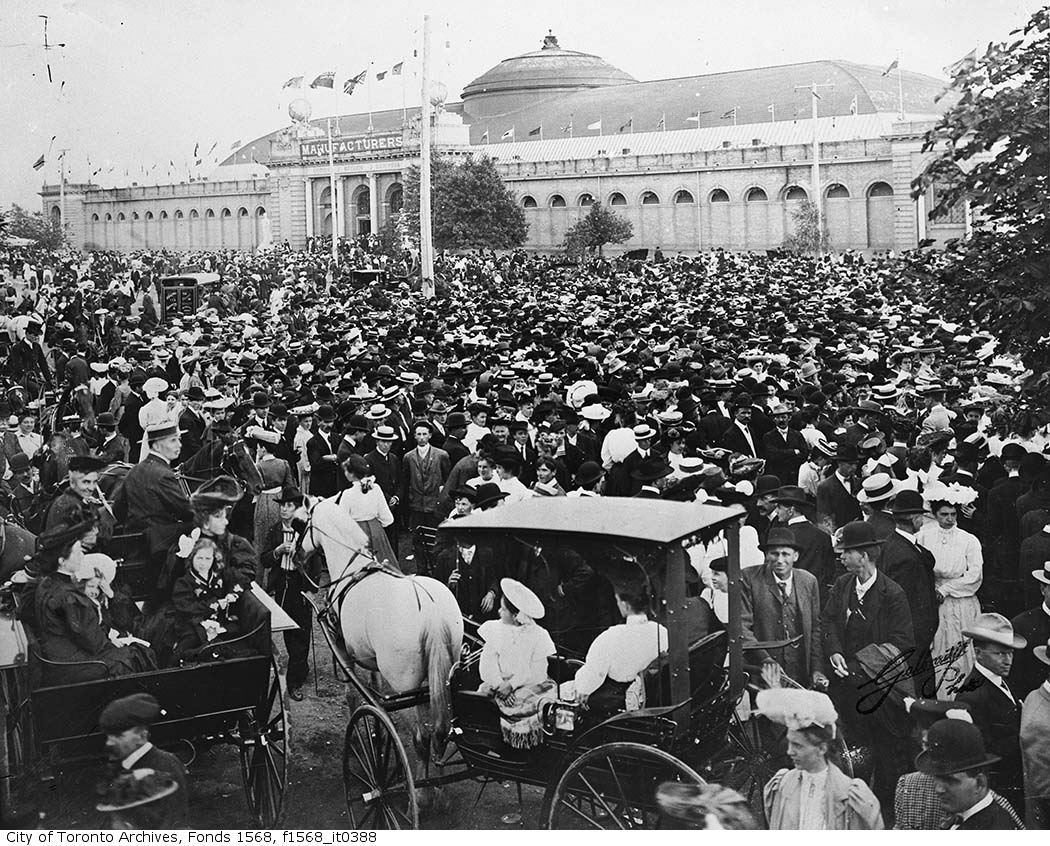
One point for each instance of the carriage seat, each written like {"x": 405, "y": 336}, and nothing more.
{"x": 706, "y": 671}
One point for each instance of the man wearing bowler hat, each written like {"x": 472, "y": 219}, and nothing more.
{"x": 320, "y": 451}
{"x": 780, "y": 602}
{"x": 650, "y": 473}
{"x": 956, "y": 759}
{"x": 995, "y": 708}
{"x": 815, "y": 554}
{"x": 837, "y": 494}
{"x": 455, "y": 431}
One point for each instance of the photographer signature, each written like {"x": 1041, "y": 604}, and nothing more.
{"x": 924, "y": 674}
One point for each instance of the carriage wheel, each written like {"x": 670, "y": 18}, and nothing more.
{"x": 613, "y": 787}
{"x": 377, "y": 777}
{"x": 264, "y": 755}
{"x": 16, "y": 738}
{"x": 749, "y": 758}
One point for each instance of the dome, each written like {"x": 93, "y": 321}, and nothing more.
{"x": 546, "y": 69}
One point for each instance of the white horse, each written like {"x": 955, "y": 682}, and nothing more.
{"x": 409, "y": 629}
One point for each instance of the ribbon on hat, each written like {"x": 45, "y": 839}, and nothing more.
{"x": 187, "y": 542}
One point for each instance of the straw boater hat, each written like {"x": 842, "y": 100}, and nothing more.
{"x": 522, "y": 598}
{"x": 1042, "y": 575}
{"x": 994, "y": 628}
{"x": 1041, "y": 652}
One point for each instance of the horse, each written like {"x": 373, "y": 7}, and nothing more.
{"x": 17, "y": 545}
{"x": 409, "y": 629}
{"x": 219, "y": 458}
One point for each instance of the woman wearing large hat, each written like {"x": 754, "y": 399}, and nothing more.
{"x": 514, "y": 664}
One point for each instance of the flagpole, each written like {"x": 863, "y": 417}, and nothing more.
{"x": 426, "y": 234}
{"x": 572, "y": 119}
{"x": 62, "y": 189}
{"x": 331, "y": 186}
{"x": 734, "y": 115}
{"x": 900, "y": 87}
{"x": 368, "y": 93}
{"x": 772, "y": 112}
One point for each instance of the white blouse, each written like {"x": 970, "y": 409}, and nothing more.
{"x": 370, "y": 505}
{"x": 958, "y": 560}
{"x": 621, "y": 653}
{"x": 516, "y": 654}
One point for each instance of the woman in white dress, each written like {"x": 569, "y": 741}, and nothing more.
{"x": 958, "y": 569}
{"x": 155, "y": 412}
{"x": 366, "y": 503}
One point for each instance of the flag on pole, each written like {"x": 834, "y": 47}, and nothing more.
{"x": 854, "y": 105}
{"x": 891, "y": 68}
{"x": 381, "y": 76}
{"x": 692, "y": 118}
{"x": 485, "y": 137}
{"x": 353, "y": 82}
{"x": 662, "y": 123}
{"x": 964, "y": 65}
{"x": 596, "y": 125}
{"x": 39, "y": 163}
{"x": 537, "y": 131}
{"x": 508, "y": 134}
{"x": 235, "y": 144}
{"x": 171, "y": 163}
{"x": 213, "y": 146}
{"x": 568, "y": 127}
{"x": 730, "y": 114}
{"x": 396, "y": 69}
{"x": 294, "y": 82}
{"x": 629, "y": 125}
{"x": 324, "y": 80}
{"x": 196, "y": 149}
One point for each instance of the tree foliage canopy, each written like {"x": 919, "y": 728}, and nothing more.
{"x": 994, "y": 152}
{"x": 470, "y": 206}
{"x": 601, "y": 226}
{"x": 810, "y": 234}
{"x": 16, "y": 222}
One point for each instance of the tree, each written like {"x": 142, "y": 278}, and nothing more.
{"x": 601, "y": 226}
{"x": 18, "y": 223}
{"x": 470, "y": 206}
{"x": 993, "y": 151}
{"x": 810, "y": 234}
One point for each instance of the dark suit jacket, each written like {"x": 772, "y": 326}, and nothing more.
{"x": 423, "y": 480}
{"x": 816, "y": 555}
{"x": 175, "y": 806}
{"x": 911, "y": 567}
{"x": 387, "y": 470}
{"x": 784, "y": 457}
{"x": 999, "y": 720}
{"x": 528, "y": 463}
{"x": 152, "y": 498}
{"x": 993, "y": 818}
{"x": 193, "y": 427}
{"x": 734, "y": 440}
{"x": 761, "y": 612}
{"x": 1028, "y": 672}
{"x": 115, "y": 449}
{"x": 1004, "y": 525}
{"x": 618, "y": 481}
{"x": 455, "y": 449}
{"x": 482, "y": 575}
{"x": 835, "y": 505}
{"x": 885, "y": 606}
{"x": 713, "y": 425}
{"x": 586, "y": 448}
{"x": 324, "y": 475}
{"x": 129, "y": 425}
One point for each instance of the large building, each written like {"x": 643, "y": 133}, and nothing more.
{"x": 720, "y": 160}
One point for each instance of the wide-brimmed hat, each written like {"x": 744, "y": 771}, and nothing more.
{"x": 86, "y": 464}
{"x": 106, "y": 420}
{"x": 857, "y": 535}
{"x": 588, "y": 473}
{"x": 377, "y": 412}
{"x": 522, "y": 598}
{"x": 1039, "y": 575}
{"x": 781, "y": 536}
{"x": 290, "y": 493}
{"x": 595, "y": 412}
{"x": 217, "y": 492}
{"x": 877, "y": 488}
{"x": 994, "y": 628}
{"x": 489, "y": 494}
{"x": 1040, "y": 652}
{"x": 162, "y": 431}
{"x": 643, "y": 431}
{"x": 766, "y": 485}
{"x": 926, "y": 712}
{"x": 136, "y": 788}
{"x": 385, "y": 433}
{"x": 792, "y": 495}
{"x": 825, "y": 447}
{"x": 953, "y": 746}
{"x": 653, "y": 468}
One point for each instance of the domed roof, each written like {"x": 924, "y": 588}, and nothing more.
{"x": 550, "y": 67}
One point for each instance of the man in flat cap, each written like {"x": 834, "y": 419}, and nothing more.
{"x": 126, "y": 723}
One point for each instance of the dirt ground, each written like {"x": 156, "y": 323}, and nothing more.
{"x": 314, "y": 798}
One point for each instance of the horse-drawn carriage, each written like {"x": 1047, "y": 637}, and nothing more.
{"x": 598, "y": 770}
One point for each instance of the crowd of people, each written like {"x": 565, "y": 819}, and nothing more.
{"x": 895, "y": 480}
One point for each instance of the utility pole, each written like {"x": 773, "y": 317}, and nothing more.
{"x": 426, "y": 234}
{"x": 331, "y": 190}
{"x": 812, "y": 88}
{"x": 62, "y": 190}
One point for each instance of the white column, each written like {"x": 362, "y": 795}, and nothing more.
{"x": 920, "y": 215}
{"x": 338, "y": 227}
{"x": 373, "y": 201}
{"x": 308, "y": 189}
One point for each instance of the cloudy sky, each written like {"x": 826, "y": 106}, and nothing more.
{"x": 140, "y": 83}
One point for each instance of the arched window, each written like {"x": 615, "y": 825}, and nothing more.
{"x": 194, "y": 214}
{"x": 719, "y": 196}
{"x": 880, "y": 189}
{"x": 756, "y": 195}
{"x": 242, "y": 212}
{"x": 210, "y": 213}
{"x": 121, "y": 218}
{"x": 364, "y": 203}
{"x": 557, "y": 202}
{"x": 163, "y": 215}
{"x": 109, "y": 217}
{"x": 149, "y": 216}
{"x": 796, "y": 193}
{"x": 650, "y": 199}
{"x": 617, "y": 199}
{"x": 227, "y": 213}
{"x": 528, "y": 202}
{"x": 260, "y": 212}
{"x": 178, "y": 214}
{"x": 683, "y": 196}
{"x": 134, "y": 215}
{"x": 837, "y": 192}
{"x": 56, "y": 215}
{"x": 586, "y": 200}
{"x": 395, "y": 199}
{"x": 94, "y": 218}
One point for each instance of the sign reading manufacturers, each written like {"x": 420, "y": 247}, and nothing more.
{"x": 355, "y": 145}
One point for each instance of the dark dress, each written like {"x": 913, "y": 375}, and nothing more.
{"x": 69, "y": 629}
{"x": 197, "y": 600}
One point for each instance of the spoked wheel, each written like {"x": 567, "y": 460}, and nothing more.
{"x": 377, "y": 777}
{"x": 754, "y": 750}
{"x": 16, "y": 740}
{"x": 264, "y": 755}
{"x": 613, "y": 787}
